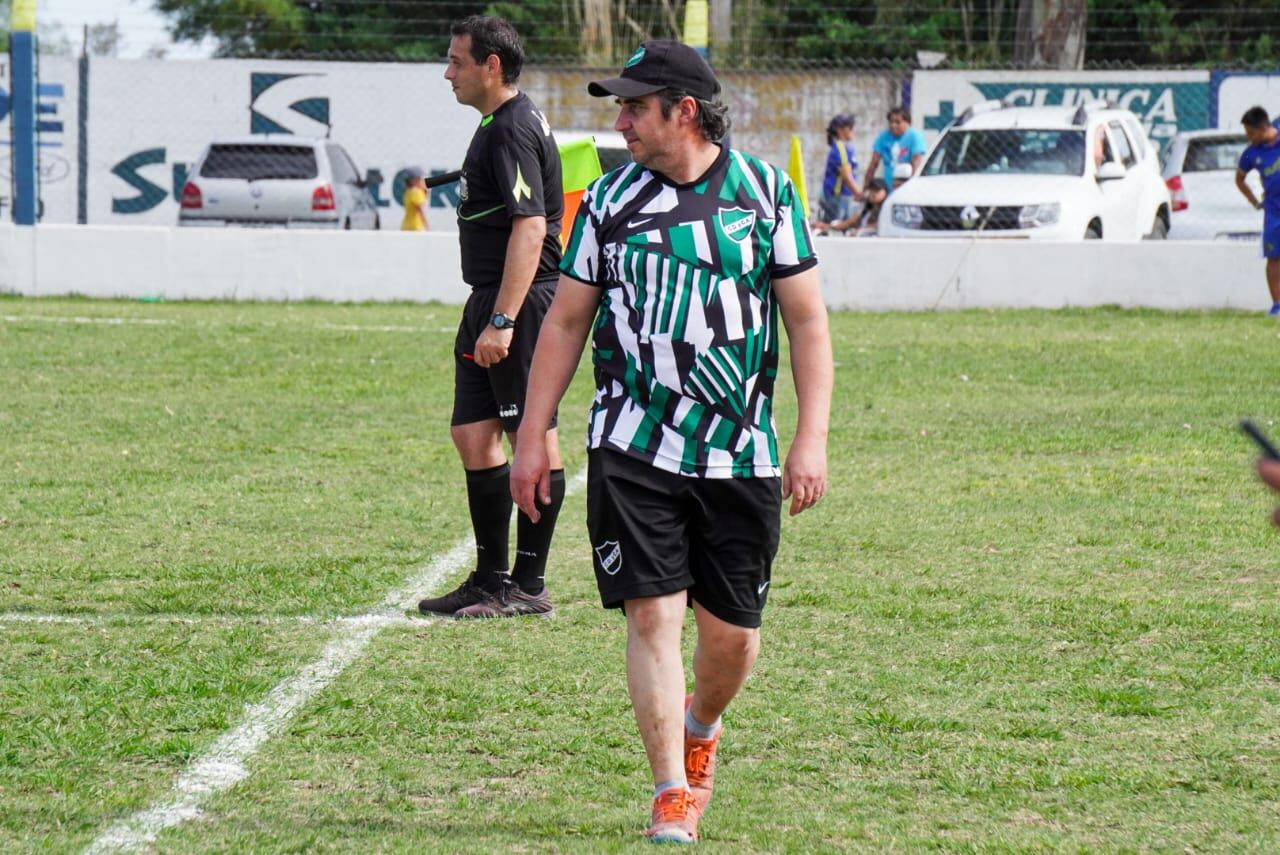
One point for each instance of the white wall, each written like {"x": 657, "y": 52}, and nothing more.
{"x": 857, "y": 273}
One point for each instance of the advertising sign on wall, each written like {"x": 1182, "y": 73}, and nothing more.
{"x": 1165, "y": 101}
{"x": 56, "y": 140}
{"x": 150, "y": 119}
{"x": 1234, "y": 92}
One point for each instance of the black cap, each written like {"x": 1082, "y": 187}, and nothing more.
{"x": 661, "y": 64}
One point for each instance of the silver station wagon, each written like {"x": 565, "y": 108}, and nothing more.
{"x": 277, "y": 180}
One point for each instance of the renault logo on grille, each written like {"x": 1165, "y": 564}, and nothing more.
{"x": 969, "y": 217}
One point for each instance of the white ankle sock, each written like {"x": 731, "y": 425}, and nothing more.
{"x": 698, "y": 729}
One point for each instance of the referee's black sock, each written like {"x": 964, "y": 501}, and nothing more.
{"x": 533, "y": 541}
{"x": 489, "y": 497}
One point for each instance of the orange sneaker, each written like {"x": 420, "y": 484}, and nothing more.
{"x": 674, "y": 818}
{"x": 700, "y": 764}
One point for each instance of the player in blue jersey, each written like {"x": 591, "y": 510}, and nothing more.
{"x": 1263, "y": 154}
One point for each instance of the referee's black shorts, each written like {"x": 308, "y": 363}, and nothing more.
{"x": 496, "y": 392}
{"x": 654, "y": 532}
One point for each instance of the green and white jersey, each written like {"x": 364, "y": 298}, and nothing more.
{"x": 685, "y": 344}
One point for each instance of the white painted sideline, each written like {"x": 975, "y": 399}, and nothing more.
{"x": 858, "y": 274}
{"x": 225, "y": 763}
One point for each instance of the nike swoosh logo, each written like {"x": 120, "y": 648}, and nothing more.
{"x": 637, "y": 223}
{"x": 760, "y": 590}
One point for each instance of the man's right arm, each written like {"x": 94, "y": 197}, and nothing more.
{"x": 560, "y": 341}
{"x": 1245, "y": 189}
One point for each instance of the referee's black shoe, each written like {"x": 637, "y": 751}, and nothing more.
{"x": 510, "y": 601}
{"x": 466, "y": 594}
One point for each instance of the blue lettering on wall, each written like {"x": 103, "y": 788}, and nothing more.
{"x": 149, "y": 194}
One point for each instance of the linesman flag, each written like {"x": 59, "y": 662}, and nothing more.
{"x": 795, "y": 168}
{"x": 579, "y": 166}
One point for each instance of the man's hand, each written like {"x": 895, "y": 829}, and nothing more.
{"x": 492, "y": 346}
{"x": 531, "y": 474}
{"x": 804, "y": 475}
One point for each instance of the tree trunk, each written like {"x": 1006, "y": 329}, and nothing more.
{"x": 597, "y": 32}
{"x": 720, "y": 29}
{"x": 1050, "y": 34}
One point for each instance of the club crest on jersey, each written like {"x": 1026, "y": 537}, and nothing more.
{"x": 609, "y": 554}
{"x": 737, "y": 223}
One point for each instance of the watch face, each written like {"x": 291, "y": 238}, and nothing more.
{"x": 502, "y": 322}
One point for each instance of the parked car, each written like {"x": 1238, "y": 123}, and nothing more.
{"x": 1200, "y": 171}
{"x": 1045, "y": 173}
{"x": 277, "y": 180}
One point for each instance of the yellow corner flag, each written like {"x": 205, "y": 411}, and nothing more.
{"x": 579, "y": 166}
{"x": 795, "y": 168}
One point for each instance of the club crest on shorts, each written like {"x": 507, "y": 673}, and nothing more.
{"x": 737, "y": 223}
{"x": 609, "y": 554}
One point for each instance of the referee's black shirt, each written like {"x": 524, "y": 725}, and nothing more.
{"x": 512, "y": 169}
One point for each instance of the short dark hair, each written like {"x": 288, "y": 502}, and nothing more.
{"x": 493, "y": 36}
{"x": 899, "y": 111}
{"x": 713, "y": 116}
{"x": 873, "y": 185}
{"x": 1255, "y": 117}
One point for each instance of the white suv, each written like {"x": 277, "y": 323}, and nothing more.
{"x": 277, "y": 180}
{"x": 1048, "y": 173}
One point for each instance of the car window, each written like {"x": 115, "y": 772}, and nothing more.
{"x": 1121, "y": 142}
{"x": 1213, "y": 153}
{"x": 344, "y": 171}
{"x": 256, "y": 161}
{"x": 1008, "y": 151}
{"x": 612, "y": 158}
{"x": 1138, "y": 138}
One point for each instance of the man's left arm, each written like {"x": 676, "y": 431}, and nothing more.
{"x": 918, "y": 149}
{"x": 524, "y": 251}
{"x": 804, "y": 474}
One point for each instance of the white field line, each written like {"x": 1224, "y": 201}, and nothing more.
{"x": 124, "y": 619}
{"x": 117, "y": 321}
{"x": 226, "y": 762}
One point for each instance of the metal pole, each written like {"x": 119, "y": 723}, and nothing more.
{"x": 22, "y": 52}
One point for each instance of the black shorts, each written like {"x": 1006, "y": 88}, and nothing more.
{"x": 654, "y": 532}
{"x": 496, "y": 392}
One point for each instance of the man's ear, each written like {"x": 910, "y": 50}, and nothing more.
{"x": 689, "y": 110}
{"x": 494, "y": 64}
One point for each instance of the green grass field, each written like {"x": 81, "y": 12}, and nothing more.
{"x": 1037, "y": 610}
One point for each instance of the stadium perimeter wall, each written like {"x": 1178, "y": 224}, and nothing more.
{"x": 858, "y": 274}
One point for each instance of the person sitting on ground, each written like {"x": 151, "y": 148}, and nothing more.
{"x": 865, "y": 223}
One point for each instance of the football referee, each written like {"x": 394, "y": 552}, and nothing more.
{"x": 509, "y": 230}
{"x": 678, "y": 265}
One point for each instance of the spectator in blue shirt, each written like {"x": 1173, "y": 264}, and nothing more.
{"x": 840, "y": 181}
{"x": 901, "y": 143}
{"x": 1263, "y": 154}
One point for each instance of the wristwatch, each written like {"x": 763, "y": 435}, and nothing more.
{"x": 502, "y": 322}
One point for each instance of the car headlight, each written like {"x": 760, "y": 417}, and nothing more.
{"x": 1034, "y": 216}
{"x": 908, "y": 216}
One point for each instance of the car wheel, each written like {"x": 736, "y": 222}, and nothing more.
{"x": 1159, "y": 231}
{"x": 1094, "y": 232}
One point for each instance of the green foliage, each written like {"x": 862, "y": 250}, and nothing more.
{"x": 764, "y": 34}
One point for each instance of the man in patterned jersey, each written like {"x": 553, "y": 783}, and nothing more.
{"x": 509, "y": 230}
{"x": 679, "y": 264}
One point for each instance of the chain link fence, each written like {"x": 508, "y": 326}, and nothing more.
{"x": 145, "y": 142}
